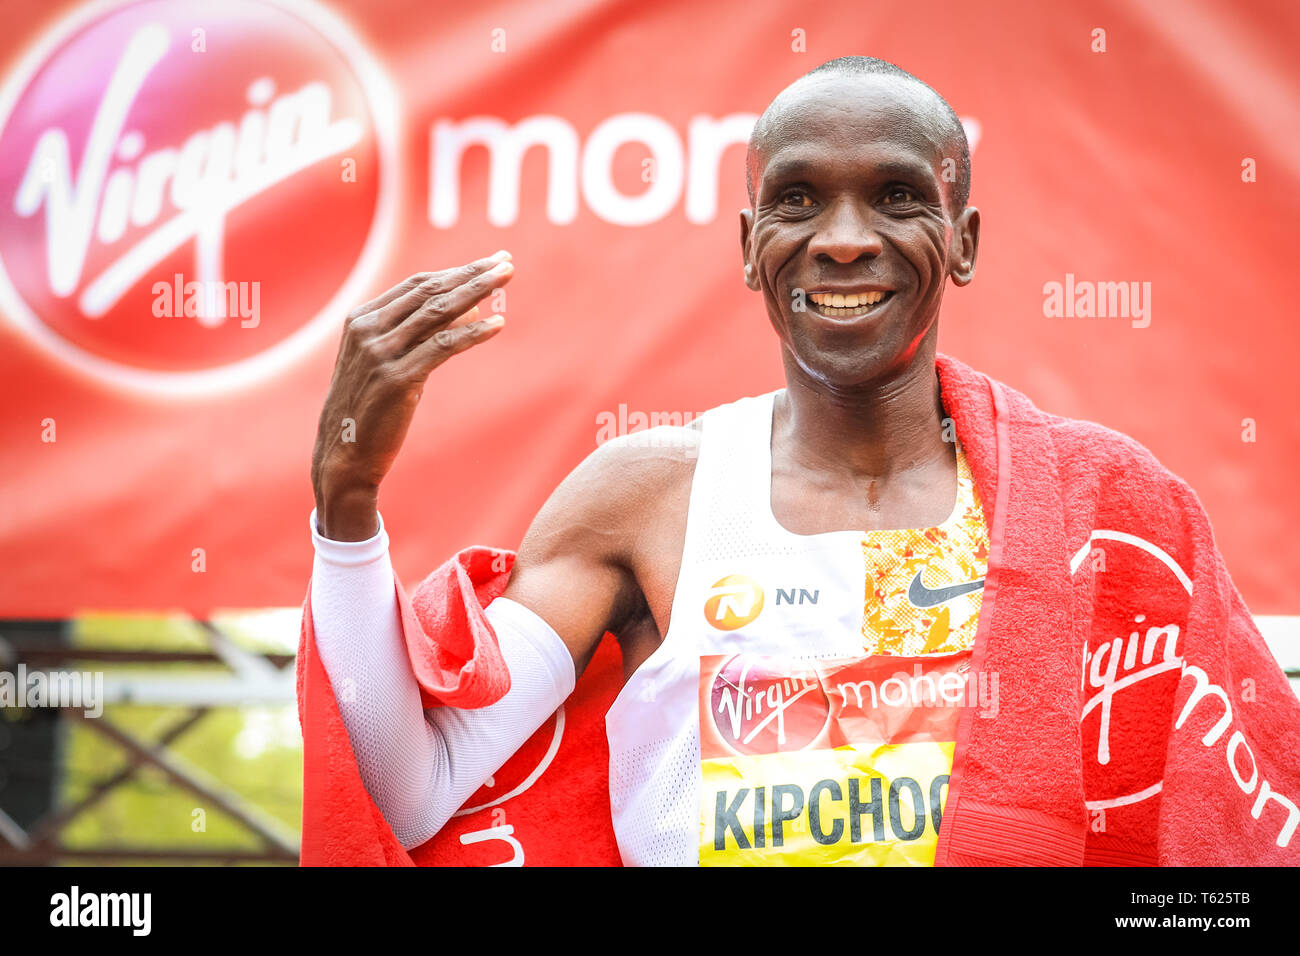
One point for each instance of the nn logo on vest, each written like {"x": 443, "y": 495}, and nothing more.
{"x": 736, "y": 600}
{"x": 733, "y": 602}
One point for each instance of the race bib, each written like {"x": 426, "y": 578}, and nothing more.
{"x": 835, "y": 761}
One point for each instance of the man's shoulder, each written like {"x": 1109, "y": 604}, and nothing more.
{"x": 652, "y": 447}
{"x": 630, "y": 475}
{"x": 627, "y": 471}
{"x": 664, "y": 444}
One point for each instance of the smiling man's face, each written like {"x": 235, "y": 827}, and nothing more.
{"x": 853, "y": 198}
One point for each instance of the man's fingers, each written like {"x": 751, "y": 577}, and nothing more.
{"x": 443, "y": 344}
{"x": 435, "y": 285}
{"x": 466, "y": 318}
{"x": 442, "y": 309}
{"x": 403, "y": 287}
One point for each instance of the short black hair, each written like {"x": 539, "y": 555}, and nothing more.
{"x": 865, "y": 66}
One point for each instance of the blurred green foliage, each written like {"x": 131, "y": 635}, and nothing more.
{"x": 255, "y": 751}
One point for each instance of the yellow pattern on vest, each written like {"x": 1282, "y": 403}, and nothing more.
{"x": 945, "y": 557}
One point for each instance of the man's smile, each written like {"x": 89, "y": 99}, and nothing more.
{"x": 849, "y": 303}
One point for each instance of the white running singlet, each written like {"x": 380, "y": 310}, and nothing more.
{"x": 747, "y": 585}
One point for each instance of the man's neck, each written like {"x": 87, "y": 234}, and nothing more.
{"x": 879, "y": 431}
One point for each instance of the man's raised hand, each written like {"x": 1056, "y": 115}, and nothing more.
{"x": 389, "y": 347}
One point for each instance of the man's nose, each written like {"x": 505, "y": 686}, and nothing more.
{"x": 845, "y": 234}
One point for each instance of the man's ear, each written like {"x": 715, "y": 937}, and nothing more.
{"x": 965, "y": 246}
{"x": 746, "y": 228}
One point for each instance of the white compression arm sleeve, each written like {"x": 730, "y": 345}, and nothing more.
{"x": 421, "y": 766}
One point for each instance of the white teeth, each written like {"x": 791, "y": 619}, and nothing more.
{"x": 839, "y": 300}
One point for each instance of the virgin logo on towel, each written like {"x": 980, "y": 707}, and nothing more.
{"x": 1134, "y": 658}
{"x": 194, "y": 155}
{"x": 761, "y": 705}
{"x": 1135, "y": 653}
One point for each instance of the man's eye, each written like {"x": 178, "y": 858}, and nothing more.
{"x": 899, "y": 195}
{"x": 796, "y": 197}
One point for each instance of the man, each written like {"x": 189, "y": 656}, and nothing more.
{"x": 865, "y": 537}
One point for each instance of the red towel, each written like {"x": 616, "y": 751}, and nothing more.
{"x": 1131, "y": 713}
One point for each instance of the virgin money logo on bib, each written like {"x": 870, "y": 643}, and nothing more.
{"x": 191, "y": 194}
{"x": 762, "y": 705}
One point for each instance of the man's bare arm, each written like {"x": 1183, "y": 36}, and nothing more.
{"x": 389, "y": 347}
{"x": 573, "y": 575}
{"x": 575, "y": 566}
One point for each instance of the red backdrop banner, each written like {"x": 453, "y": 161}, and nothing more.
{"x": 193, "y": 195}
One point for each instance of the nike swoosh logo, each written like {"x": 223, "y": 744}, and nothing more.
{"x": 921, "y": 596}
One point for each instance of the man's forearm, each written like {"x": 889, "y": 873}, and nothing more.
{"x": 359, "y": 638}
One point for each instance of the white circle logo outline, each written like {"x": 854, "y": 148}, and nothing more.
{"x": 381, "y": 100}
